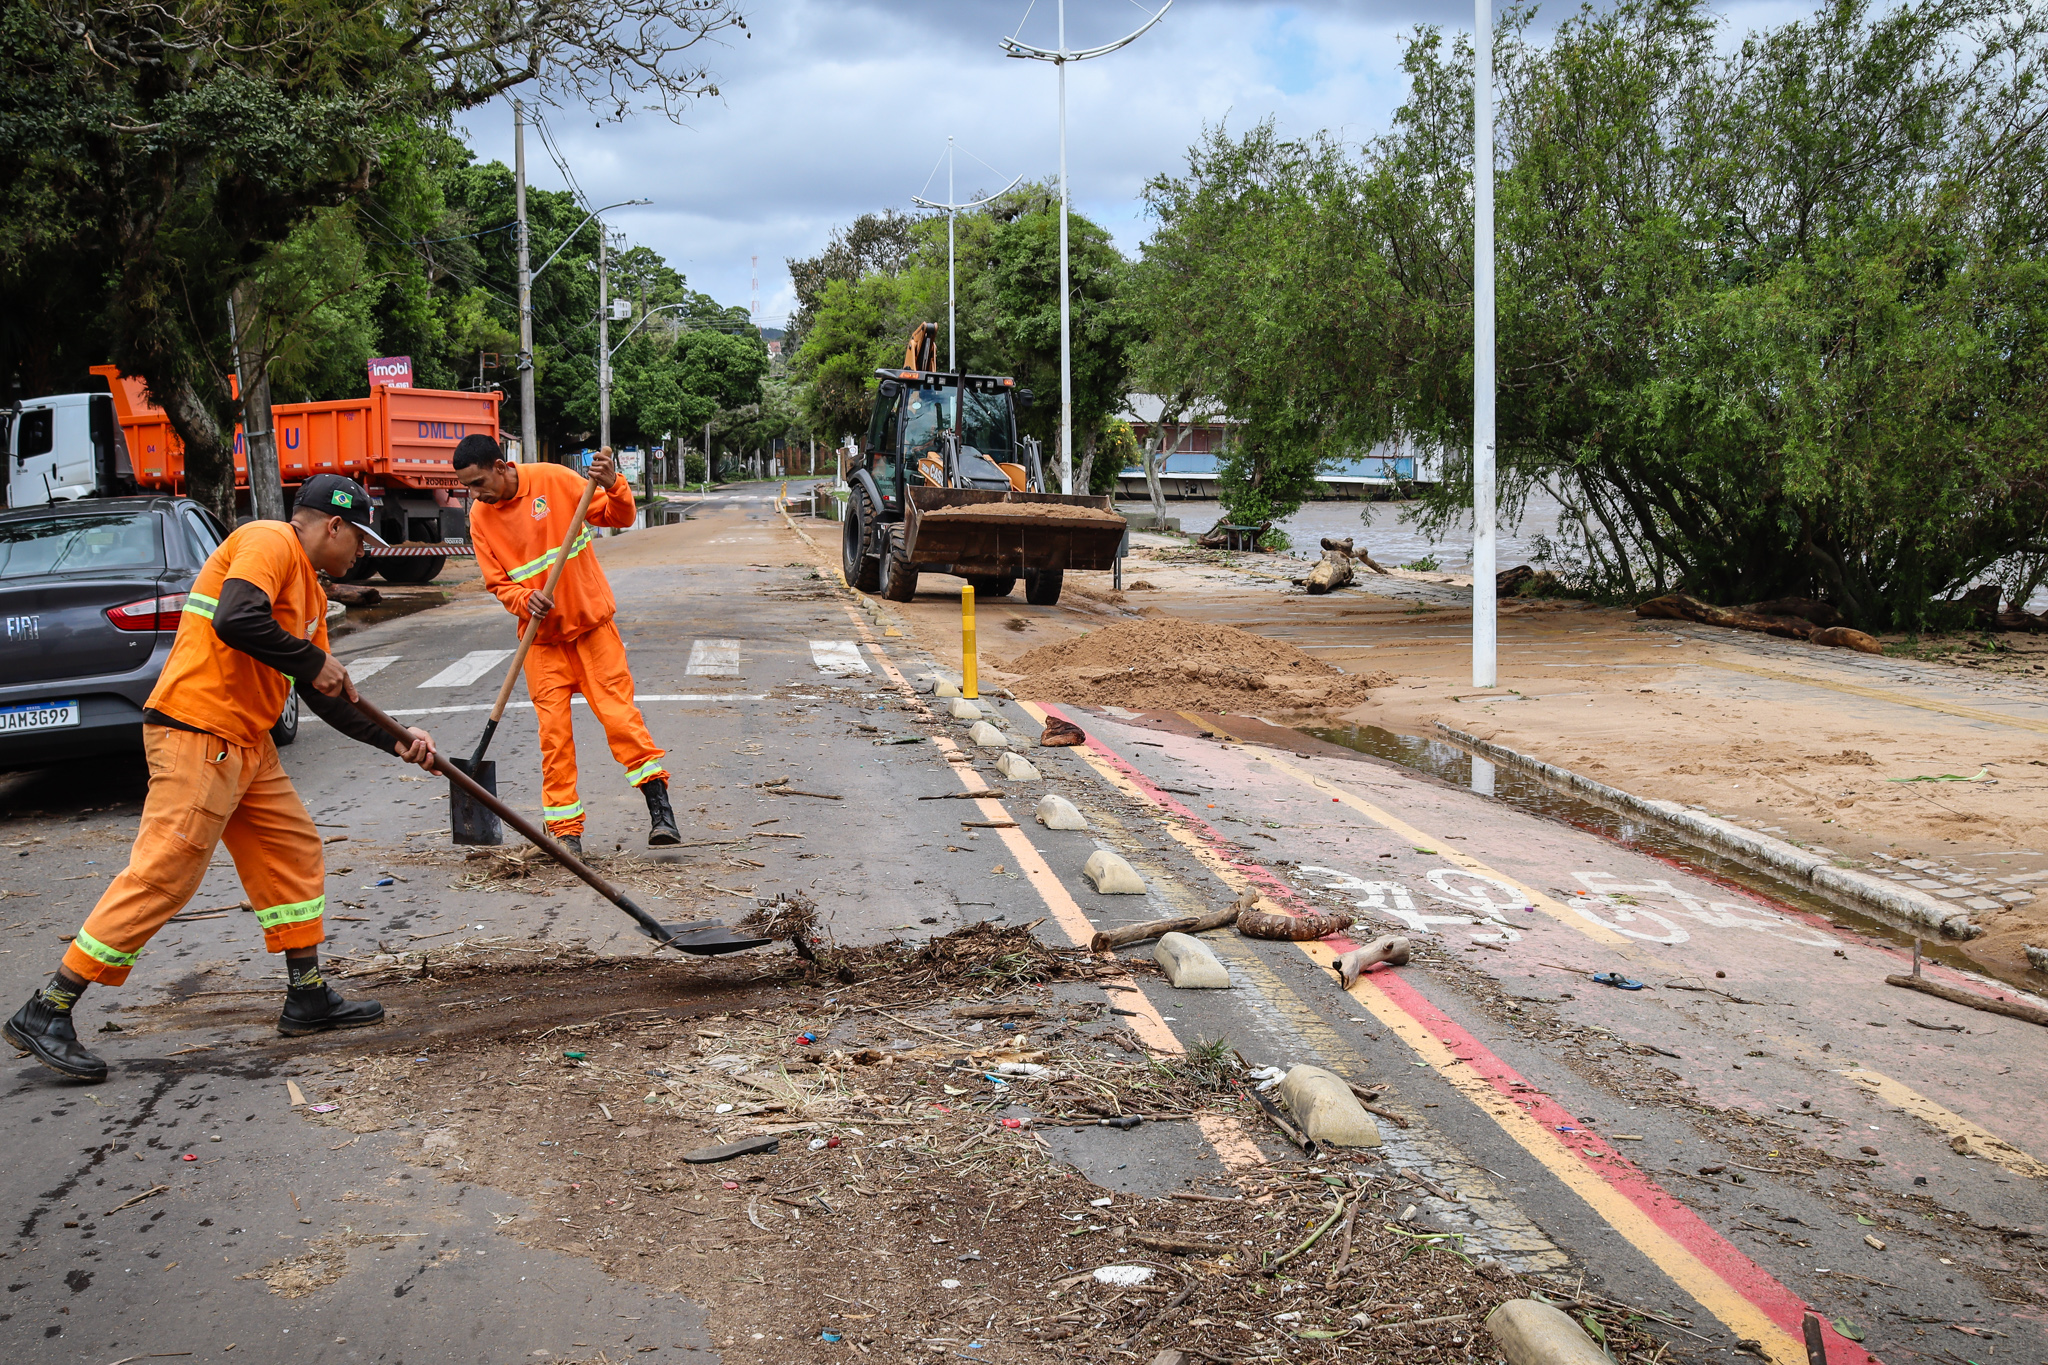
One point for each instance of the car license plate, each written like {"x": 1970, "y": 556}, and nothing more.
{"x": 38, "y": 715}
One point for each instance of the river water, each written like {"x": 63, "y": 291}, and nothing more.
{"x": 1381, "y": 529}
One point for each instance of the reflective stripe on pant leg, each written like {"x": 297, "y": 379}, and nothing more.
{"x": 279, "y": 857}
{"x": 607, "y": 684}
{"x": 194, "y": 782}
{"x": 550, "y": 682}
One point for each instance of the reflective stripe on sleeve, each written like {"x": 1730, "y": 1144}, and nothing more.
{"x": 534, "y": 567}
{"x": 199, "y": 604}
{"x": 297, "y": 913}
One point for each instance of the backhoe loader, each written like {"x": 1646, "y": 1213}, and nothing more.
{"x": 943, "y": 484}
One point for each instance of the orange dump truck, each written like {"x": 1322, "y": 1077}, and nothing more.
{"x": 396, "y": 443}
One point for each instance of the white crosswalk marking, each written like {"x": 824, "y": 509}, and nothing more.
{"x": 714, "y": 658}
{"x": 469, "y": 668}
{"x": 359, "y": 669}
{"x": 838, "y": 656}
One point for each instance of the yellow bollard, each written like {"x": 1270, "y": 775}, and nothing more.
{"x": 967, "y": 671}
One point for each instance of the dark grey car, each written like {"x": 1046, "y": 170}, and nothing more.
{"x": 91, "y": 593}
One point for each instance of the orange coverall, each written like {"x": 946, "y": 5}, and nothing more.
{"x": 221, "y": 780}
{"x": 578, "y": 648}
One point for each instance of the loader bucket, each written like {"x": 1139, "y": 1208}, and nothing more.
{"x": 977, "y": 531}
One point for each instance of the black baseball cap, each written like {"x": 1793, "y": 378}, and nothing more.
{"x": 337, "y": 495}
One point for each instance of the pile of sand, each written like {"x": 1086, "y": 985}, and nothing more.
{"x": 1046, "y": 511}
{"x": 1169, "y": 663}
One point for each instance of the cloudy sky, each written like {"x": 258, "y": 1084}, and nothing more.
{"x": 836, "y": 107}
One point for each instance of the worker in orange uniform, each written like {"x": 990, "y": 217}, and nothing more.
{"x": 522, "y": 517}
{"x": 254, "y": 627}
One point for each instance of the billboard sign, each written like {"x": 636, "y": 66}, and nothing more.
{"x": 392, "y": 370}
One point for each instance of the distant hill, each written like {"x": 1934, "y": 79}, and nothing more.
{"x": 771, "y": 334}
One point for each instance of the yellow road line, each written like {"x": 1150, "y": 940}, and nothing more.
{"x": 1878, "y": 694}
{"x": 1713, "y": 1293}
{"x": 1564, "y": 915}
{"x": 1976, "y": 1139}
{"x": 1617, "y": 1210}
{"x": 1146, "y": 1021}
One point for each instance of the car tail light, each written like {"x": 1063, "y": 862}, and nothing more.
{"x": 151, "y": 613}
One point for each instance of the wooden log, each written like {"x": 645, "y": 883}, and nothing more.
{"x": 2009, "y": 1008}
{"x": 352, "y": 594}
{"x": 1293, "y": 928}
{"x": 1332, "y": 571}
{"x": 1108, "y": 939}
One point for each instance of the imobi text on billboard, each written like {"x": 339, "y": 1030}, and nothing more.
{"x": 394, "y": 370}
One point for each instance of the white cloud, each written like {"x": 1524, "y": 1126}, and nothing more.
{"x": 832, "y": 109}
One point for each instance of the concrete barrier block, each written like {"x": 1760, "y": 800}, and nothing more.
{"x": 1017, "y": 768}
{"x": 946, "y": 688}
{"x": 1056, "y": 812}
{"x": 963, "y": 709}
{"x": 1190, "y": 964}
{"x": 987, "y": 736}
{"x": 1112, "y": 876}
{"x": 1324, "y": 1107}
{"x": 1532, "y": 1333}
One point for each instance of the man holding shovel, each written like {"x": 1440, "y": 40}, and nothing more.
{"x": 254, "y": 627}
{"x": 524, "y": 514}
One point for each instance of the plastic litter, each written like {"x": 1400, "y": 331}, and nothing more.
{"x": 806, "y": 1039}
{"x": 574, "y": 1056}
{"x": 949, "y": 1284}
{"x": 828, "y": 1336}
{"x": 385, "y": 881}
{"x": 1617, "y": 980}
{"x": 1268, "y": 1077}
{"x": 1124, "y": 1276}
{"x": 817, "y": 1144}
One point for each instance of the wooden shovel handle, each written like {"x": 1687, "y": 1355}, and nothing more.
{"x": 526, "y": 636}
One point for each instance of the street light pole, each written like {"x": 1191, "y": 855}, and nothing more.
{"x": 528, "y": 441}
{"x": 604, "y": 336}
{"x": 952, "y": 211}
{"x": 1059, "y": 57}
{"x": 1485, "y": 672}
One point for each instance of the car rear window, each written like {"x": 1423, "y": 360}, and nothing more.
{"x": 82, "y": 543}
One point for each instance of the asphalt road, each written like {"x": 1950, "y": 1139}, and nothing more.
{"x": 1558, "y": 1124}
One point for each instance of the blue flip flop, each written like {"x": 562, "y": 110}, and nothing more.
{"x": 1617, "y": 980}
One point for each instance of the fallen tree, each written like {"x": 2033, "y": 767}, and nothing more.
{"x": 1678, "y": 606}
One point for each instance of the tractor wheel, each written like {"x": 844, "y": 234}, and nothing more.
{"x": 1042, "y": 586}
{"x": 412, "y": 569}
{"x": 862, "y": 567}
{"x": 899, "y": 579}
{"x": 992, "y": 585}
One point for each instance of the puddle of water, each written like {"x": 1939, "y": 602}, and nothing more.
{"x": 390, "y": 609}
{"x": 1525, "y": 791}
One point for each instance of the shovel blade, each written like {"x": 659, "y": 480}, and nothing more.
{"x": 709, "y": 939}
{"x": 470, "y": 821}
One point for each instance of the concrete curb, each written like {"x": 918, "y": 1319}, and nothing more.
{"x": 1859, "y": 890}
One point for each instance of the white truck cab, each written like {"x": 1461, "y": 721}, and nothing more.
{"x": 63, "y": 447}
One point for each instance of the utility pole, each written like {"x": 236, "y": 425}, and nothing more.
{"x": 952, "y": 210}
{"x": 1060, "y": 57}
{"x": 604, "y": 336}
{"x": 1485, "y": 672}
{"x": 259, "y": 436}
{"x": 529, "y": 443}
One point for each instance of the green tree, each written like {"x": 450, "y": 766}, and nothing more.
{"x": 164, "y": 151}
{"x": 1770, "y": 319}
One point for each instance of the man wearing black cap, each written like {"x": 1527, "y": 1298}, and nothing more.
{"x": 254, "y": 628}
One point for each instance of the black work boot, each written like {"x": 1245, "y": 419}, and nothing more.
{"x": 316, "y": 1007}
{"x": 44, "y": 1032}
{"x": 572, "y": 842}
{"x": 661, "y": 816}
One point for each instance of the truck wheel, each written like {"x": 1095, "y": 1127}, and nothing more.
{"x": 423, "y": 569}
{"x": 1042, "y": 586}
{"x": 287, "y": 728}
{"x": 899, "y": 579}
{"x": 862, "y": 567}
{"x": 362, "y": 571}
{"x": 992, "y": 585}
